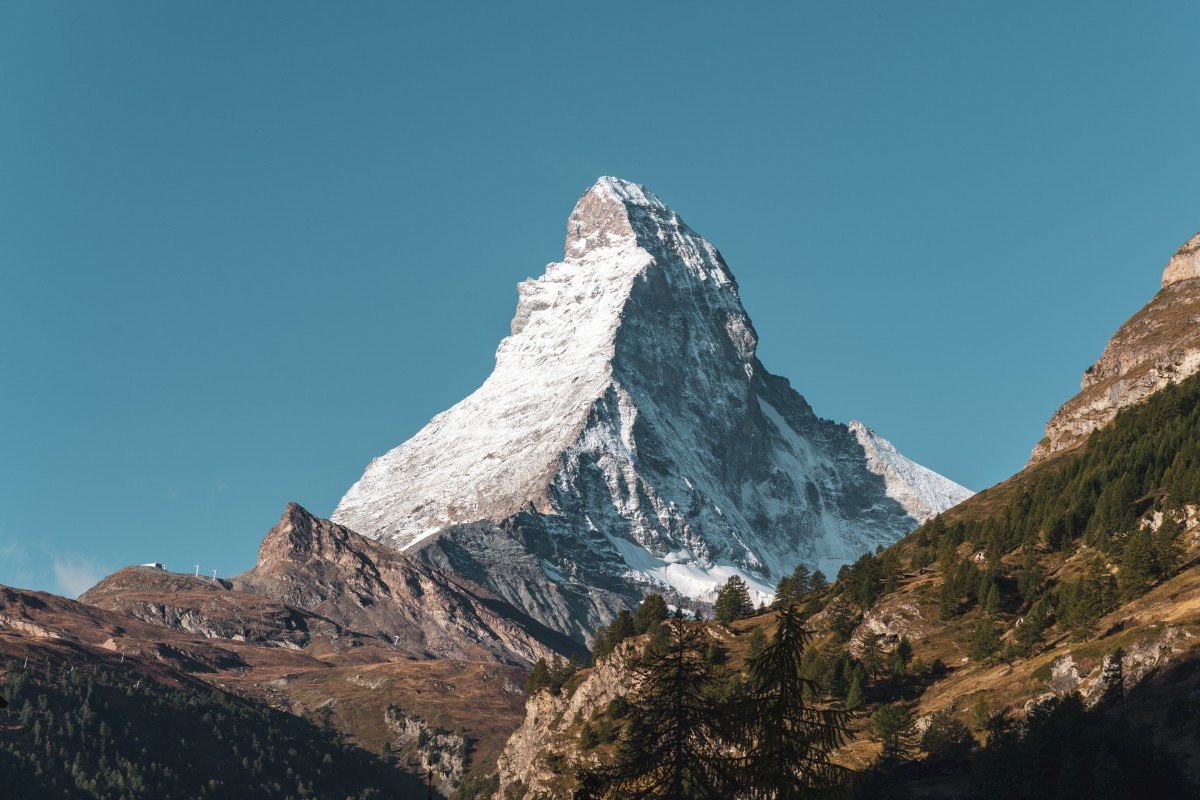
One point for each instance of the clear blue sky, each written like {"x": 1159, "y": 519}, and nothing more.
{"x": 246, "y": 247}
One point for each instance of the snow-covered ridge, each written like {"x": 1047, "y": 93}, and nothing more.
{"x": 629, "y": 440}
{"x": 923, "y": 492}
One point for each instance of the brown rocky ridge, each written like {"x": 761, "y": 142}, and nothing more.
{"x": 320, "y": 585}
{"x": 1156, "y": 347}
{"x": 397, "y": 656}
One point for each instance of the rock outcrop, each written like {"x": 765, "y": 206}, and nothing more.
{"x": 317, "y": 583}
{"x": 208, "y": 608}
{"x": 1156, "y": 347}
{"x": 325, "y": 568}
{"x": 552, "y": 723}
{"x": 629, "y": 440}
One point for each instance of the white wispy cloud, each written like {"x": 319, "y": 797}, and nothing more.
{"x": 15, "y": 567}
{"x": 13, "y": 551}
{"x": 76, "y": 574}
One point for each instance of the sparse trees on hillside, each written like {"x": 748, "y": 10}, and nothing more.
{"x": 947, "y": 737}
{"x": 552, "y": 676}
{"x": 1063, "y": 750}
{"x": 1082, "y": 603}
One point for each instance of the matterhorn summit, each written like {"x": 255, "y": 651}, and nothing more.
{"x": 630, "y": 441}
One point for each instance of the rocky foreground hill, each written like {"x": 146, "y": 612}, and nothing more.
{"x": 1157, "y": 346}
{"x": 974, "y": 625}
{"x": 1079, "y": 576}
{"x": 417, "y": 670}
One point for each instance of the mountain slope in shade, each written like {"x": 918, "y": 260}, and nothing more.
{"x": 1157, "y": 346}
{"x": 630, "y": 440}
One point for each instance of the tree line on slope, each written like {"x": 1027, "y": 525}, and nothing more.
{"x": 692, "y": 729}
{"x": 1091, "y": 505}
{"x": 1114, "y": 510}
{"x": 696, "y": 730}
{"x": 82, "y": 732}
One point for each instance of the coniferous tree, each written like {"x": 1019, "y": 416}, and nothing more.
{"x": 733, "y": 601}
{"x": 651, "y": 612}
{"x": 786, "y": 740}
{"x": 792, "y": 588}
{"x": 950, "y": 593}
{"x": 854, "y": 697}
{"x": 985, "y": 640}
{"x": 758, "y": 643}
{"x": 675, "y": 745}
{"x": 802, "y": 578}
{"x": 947, "y": 737}
{"x": 1115, "y": 510}
{"x": 1027, "y": 635}
{"x": 892, "y": 726}
{"x": 871, "y": 656}
{"x": 1137, "y": 566}
{"x": 991, "y": 599}
{"x": 904, "y": 650}
{"x": 1030, "y": 577}
{"x": 786, "y": 593}
{"x": 981, "y": 713}
{"x": 611, "y": 635}
{"x": 841, "y": 619}
{"x": 1113, "y": 677}
{"x": 539, "y": 678}
{"x": 1082, "y": 603}
{"x": 901, "y": 657}
{"x": 817, "y": 581}
{"x": 1167, "y": 553}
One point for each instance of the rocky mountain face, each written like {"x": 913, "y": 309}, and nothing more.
{"x": 325, "y": 568}
{"x": 1156, "y": 347}
{"x": 321, "y": 587}
{"x": 552, "y": 722}
{"x": 629, "y": 440}
{"x": 210, "y": 608}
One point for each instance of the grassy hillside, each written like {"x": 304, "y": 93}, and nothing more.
{"x": 1061, "y": 606}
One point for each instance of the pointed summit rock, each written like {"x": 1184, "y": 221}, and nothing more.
{"x": 630, "y": 441}
{"x": 1185, "y": 264}
{"x": 1156, "y": 347}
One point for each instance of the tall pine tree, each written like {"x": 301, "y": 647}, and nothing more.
{"x": 675, "y": 747}
{"x": 733, "y": 601}
{"x": 787, "y": 741}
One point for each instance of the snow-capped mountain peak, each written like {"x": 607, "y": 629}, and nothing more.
{"x": 629, "y": 440}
